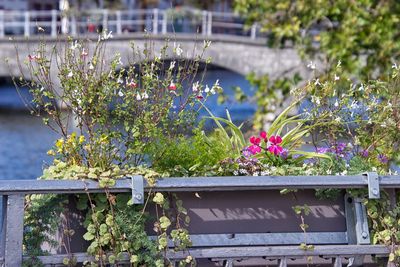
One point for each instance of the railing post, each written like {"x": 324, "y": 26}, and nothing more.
{"x": 73, "y": 25}
{"x": 253, "y": 33}
{"x": 209, "y": 24}
{"x": 155, "y": 20}
{"x": 204, "y": 23}
{"x": 54, "y": 23}
{"x": 119, "y": 22}
{"x": 105, "y": 19}
{"x": 164, "y": 22}
{"x": 1, "y": 23}
{"x": 27, "y": 23}
{"x": 13, "y": 231}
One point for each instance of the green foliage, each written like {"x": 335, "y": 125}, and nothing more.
{"x": 363, "y": 34}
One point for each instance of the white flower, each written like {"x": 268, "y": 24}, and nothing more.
{"x": 338, "y": 119}
{"x": 317, "y": 82}
{"x": 70, "y": 74}
{"x": 145, "y": 95}
{"x": 119, "y": 80}
{"x": 172, "y": 65}
{"x": 106, "y": 35}
{"x": 207, "y": 89}
{"x": 196, "y": 87}
{"x": 354, "y": 104}
{"x": 120, "y": 93}
{"x": 207, "y": 43}
{"x": 336, "y": 77}
{"x": 91, "y": 67}
{"x": 178, "y": 50}
{"x": 75, "y": 45}
{"x": 336, "y": 103}
{"x": 394, "y": 66}
{"x": 311, "y": 65}
{"x": 138, "y": 97}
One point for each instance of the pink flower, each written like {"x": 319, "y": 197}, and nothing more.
{"x": 84, "y": 53}
{"x": 255, "y": 140}
{"x": 172, "y": 86}
{"x": 132, "y": 84}
{"x": 199, "y": 97}
{"x": 263, "y": 135}
{"x": 254, "y": 149}
{"x": 275, "y": 148}
{"x": 33, "y": 57}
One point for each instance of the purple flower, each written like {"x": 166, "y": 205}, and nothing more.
{"x": 383, "y": 159}
{"x": 284, "y": 153}
{"x": 364, "y": 153}
{"x": 322, "y": 150}
{"x": 247, "y": 153}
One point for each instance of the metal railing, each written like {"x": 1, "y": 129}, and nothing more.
{"x": 354, "y": 243}
{"x": 120, "y": 22}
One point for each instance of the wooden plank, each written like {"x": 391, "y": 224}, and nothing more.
{"x": 14, "y": 231}
{"x": 249, "y": 252}
{"x": 264, "y": 239}
{"x": 193, "y": 184}
{"x": 3, "y": 226}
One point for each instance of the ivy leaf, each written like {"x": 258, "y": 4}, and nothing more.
{"x": 88, "y": 236}
{"x": 164, "y": 222}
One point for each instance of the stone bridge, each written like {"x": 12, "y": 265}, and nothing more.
{"x": 238, "y": 54}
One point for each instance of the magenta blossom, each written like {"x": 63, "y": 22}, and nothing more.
{"x": 275, "y": 142}
{"x": 254, "y": 149}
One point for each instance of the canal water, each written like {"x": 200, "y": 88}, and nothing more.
{"x": 24, "y": 140}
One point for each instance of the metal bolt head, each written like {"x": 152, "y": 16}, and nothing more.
{"x": 364, "y": 235}
{"x": 375, "y": 191}
{"x": 138, "y": 196}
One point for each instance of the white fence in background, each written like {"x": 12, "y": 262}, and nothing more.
{"x": 120, "y": 22}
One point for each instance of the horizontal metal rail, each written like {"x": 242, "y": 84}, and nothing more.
{"x": 193, "y": 184}
{"x": 163, "y": 21}
{"x": 246, "y": 252}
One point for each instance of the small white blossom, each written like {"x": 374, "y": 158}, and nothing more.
{"x": 207, "y": 43}
{"x": 336, "y": 103}
{"x": 311, "y": 65}
{"x": 91, "y": 67}
{"x": 178, "y": 50}
{"x": 172, "y": 65}
{"x": 235, "y": 173}
{"x": 317, "y": 82}
{"x": 138, "y": 97}
{"x": 336, "y": 77}
{"x": 207, "y": 89}
{"x": 120, "y": 93}
{"x": 106, "y": 35}
{"x": 70, "y": 74}
{"x": 394, "y": 66}
{"x": 196, "y": 87}
{"x": 145, "y": 95}
{"x": 75, "y": 45}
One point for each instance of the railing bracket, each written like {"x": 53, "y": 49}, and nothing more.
{"x": 373, "y": 185}
{"x": 137, "y": 189}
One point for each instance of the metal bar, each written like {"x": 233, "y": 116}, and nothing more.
{"x": 204, "y": 22}
{"x": 338, "y": 262}
{"x": 263, "y": 239}
{"x": 246, "y": 252}
{"x": 119, "y": 24}
{"x": 155, "y": 20}
{"x": 1, "y": 23}
{"x": 14, "y": 231}
{"x": 198, "y": 184}
{"x": 164, "y": 22}
{"x": 282, "y": 262}
{"x": 253, "y": 31}
{"x": 3, "y": 226}
{"x": 105, "y": 19}
{"x": 27, "y": 24}
{"x": 54, "y": 23}
{"x": 73, "y": 25}
{"x": 209, "y": 23}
